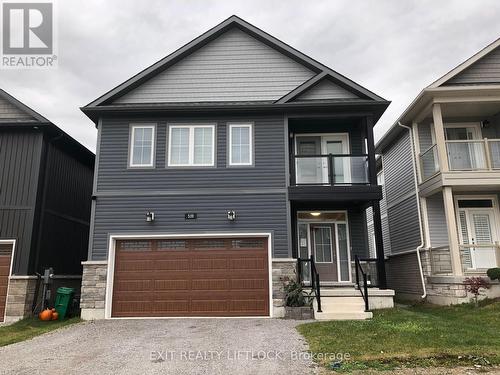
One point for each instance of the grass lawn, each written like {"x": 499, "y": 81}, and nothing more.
{"x": 27, "y": 328}
{"x": 421, "y": 335}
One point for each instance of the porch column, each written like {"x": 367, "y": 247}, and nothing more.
{"x": 451, "y": 223}
{"x": 377, "y": 220}
{"x": 379, "y": 245}
{"x": 439, "y": 134}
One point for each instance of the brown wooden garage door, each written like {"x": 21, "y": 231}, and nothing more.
{"x": 191, "y": 277}
{"x": 5, "y": 257}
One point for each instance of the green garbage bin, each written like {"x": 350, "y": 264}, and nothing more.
{"x": 63, "y": 301}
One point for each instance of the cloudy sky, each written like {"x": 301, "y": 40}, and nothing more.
{"x": 392, "y": 47}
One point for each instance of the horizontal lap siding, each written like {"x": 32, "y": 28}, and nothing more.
{"x": 438, "y": 229}
{"x": 403, "y": 274}
{"x": 327, "y": 90}
{"x": 485, "y": 70}
{"x": 8, "y": 111}
{"x": 254, "y": 213}
{"x": 233, "y": 67}
{"x": 268, "y": 171}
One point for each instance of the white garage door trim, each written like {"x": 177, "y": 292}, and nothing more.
{"x": 111, "y": 268}
{"x": 13, "y": 242}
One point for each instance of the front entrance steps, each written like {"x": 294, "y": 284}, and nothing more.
{"x": 346, "y": 303}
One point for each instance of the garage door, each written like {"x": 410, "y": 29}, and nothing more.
{"x": 5, "y": 256}
{"x": 191, "y": 277}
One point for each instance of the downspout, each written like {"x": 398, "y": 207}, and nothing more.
{"x": 422, "y": 241}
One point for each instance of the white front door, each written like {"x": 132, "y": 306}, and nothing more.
{"x": 477, "y": 228}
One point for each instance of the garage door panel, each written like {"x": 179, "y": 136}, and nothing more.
{"x": 202, "y": 277}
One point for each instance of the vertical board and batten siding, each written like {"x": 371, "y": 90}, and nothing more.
{"x": 438, "y": 230}
{"x": 268, "y": 170}
{"x": 9, "y": 112}
{"x": 20, "y": 153}
{"x": 233, "y": 67}
{"x": 254, "y": 213}
{"x": 358, "y": 233}
{"x": 485, "y": 70}
{"x": 65, "y": 212}
{"x": 326, "y": 90}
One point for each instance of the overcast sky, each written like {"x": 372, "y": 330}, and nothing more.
{"x": 392, "y": 47}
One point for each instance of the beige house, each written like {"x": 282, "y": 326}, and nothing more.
{"x": 444, "y": 153}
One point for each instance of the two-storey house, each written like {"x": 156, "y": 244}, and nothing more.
{"x": 45, "y": 201}
{"x": 220, "y": 166}
{"x": 441, "y": 165}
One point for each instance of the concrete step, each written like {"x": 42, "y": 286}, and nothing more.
{"x": 342, "y": 315}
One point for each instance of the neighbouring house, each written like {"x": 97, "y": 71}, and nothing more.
{"x": 45, "y": 199}
{"x": 441, "y": 162}
{"x": 219, "y": 167}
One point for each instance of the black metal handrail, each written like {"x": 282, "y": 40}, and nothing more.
{"x": 331, "y": 169}
{"x": 314, "y": 277}
{"x": 364, "y": 291}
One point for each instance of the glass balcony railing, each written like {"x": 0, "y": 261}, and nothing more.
{"x": 429, "y": 162}
{"x": 330, "y": 170}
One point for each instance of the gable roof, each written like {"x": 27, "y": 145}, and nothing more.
{"x": 15, "y": 111}
{"x": 465, "y": 65}
{"x": 211, "y": 35}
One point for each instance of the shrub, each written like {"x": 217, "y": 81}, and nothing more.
{"x": 474, "y": 285}
{"x": 494, "y": 273}
{"x": 295, "y": 295}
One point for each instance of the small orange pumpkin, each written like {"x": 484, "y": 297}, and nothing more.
{"x": 46, "y": 315}
{"x": 55, "y": 315}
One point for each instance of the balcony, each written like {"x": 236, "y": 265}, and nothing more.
{"x": 463, "y": 155}
{"x": 330, "y": 170}
{"x": 473, "y": 155}
{"x": 331, "y": 177}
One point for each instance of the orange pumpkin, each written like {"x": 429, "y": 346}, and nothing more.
{"x": 55, "y": 315}
{"x": 46, "y": 315}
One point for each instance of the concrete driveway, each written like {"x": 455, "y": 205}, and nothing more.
{"x": 168, "y": 346}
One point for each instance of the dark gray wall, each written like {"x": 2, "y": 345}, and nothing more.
{"x": 403, "y": 274}
{"x": 20, "y": 154}
{"x": 268, "y": 172}
{"x": 126, "y": 215}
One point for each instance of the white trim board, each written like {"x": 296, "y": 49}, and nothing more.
{"x": 13, "y": 242}
{"x": 111, "y": 265}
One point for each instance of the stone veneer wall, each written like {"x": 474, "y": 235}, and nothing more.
{"x": 20, "y": 295}
{"x": 282, "y": 269}
{"x": 93, "y": 291}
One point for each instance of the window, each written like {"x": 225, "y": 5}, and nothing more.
{"x": 142, "y": 145}
{"x": 240, "y": 144}
{"x": 191, "y": 145}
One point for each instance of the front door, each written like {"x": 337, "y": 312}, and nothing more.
{"x": 323, "y": 248}
{"x": 477, "y": 228}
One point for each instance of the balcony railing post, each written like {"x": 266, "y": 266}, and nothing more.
{"x": 487, "y": 154}
{"x": 331, "y": 172}
{"x": 299, "y": 270}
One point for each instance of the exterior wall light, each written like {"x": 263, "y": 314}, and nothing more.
{"x": 150, "y": 216}
{"x": 231, "y": 215}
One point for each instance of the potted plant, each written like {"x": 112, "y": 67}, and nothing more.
{"x": 298, "y": 303}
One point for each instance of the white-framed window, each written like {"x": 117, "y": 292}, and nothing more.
{"x": 240, "y": 144}
{"x": 191, "y": 145}
{"x": 142, "y": 142}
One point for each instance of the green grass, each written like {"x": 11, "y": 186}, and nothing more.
{"x": 28, "y": 328}
{"x": 421, "y": 335}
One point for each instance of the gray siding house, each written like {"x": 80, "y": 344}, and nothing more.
{"x": 218, "y": 169}
{"x": 442, "y": 179}
{"x": 45, "y": 199}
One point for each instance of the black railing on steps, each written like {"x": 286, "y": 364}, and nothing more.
{"x": 314, "y": 277}
{"x": 363, "y": 289}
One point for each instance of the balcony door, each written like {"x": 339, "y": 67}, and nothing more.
{"x": 312, "y": 167}
{"x": 464, "y": 146}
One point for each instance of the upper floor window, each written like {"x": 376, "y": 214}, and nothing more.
{"x": 191, "y": 145}
{"x": 240, "y": 144}
{"x": 142, "y": 145}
